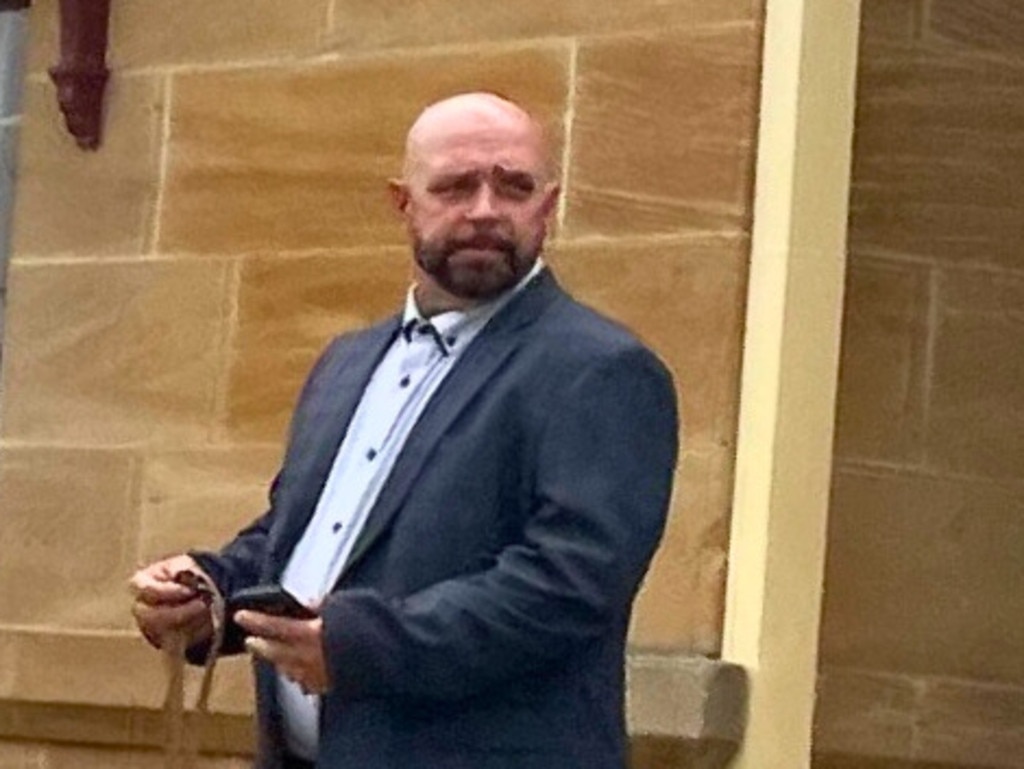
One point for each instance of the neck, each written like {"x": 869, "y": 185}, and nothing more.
{"x": 432, "y": 300}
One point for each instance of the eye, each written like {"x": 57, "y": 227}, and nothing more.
{"x": 515, "y": 185}
{"x": 454, "y": 187}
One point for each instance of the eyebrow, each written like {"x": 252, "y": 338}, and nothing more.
{"x": 500, "y": 172}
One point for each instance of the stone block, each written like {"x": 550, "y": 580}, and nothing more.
{"x": 17, "y": 755}
{"x": 937, "y": 157}
{"x": 155, "y": 33}
{"x": 360, "y": 24}
{"x": 976, "y": 420}
{"x": 870, "y": 719}
{"x": 880, "y": 403}
{"x": 70, "y": 737}
{"x": 682, "y": 600}
{"x": 882, "y": 20}
{"x": 108, "y": 353}
{"x": 115, "y": 670}
{"x": 70, "y": 521}
{"x": 199, "y": 497}
{"x": 994, "y": 26}
{"x": 693, "y": 700}
{"x": 293, "y": 159}
{"x": 664, "y": 133}
{"x": 922, "y": 575}
{"x": 865, "y": 713}
{"x": 75, "y": 203}
{"x": 685, "y": 298}
{"x": 80, "y": 757}
{"x": 289, "y": 308}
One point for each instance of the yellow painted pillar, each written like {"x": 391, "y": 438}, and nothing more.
{"x": 784, "y": 450}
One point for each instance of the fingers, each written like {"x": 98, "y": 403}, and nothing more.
{"x": 157, "y": 621}
{"x": 155, "y": 585}
{"x": 292, "y": 646}
{"x": 289, "y": 662}
{"x": 268, "y": 626}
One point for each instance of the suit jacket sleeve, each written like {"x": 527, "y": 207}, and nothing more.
{"x": 239, "y": 563}
{"x": 604, "y": 472}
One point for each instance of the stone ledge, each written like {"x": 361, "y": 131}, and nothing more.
{"x": 920, "y": 720}
{"x": 685, "y": 711}
{"x": 121, "y": 727}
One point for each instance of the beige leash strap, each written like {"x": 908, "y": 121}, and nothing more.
{"x": 181, "y": 740}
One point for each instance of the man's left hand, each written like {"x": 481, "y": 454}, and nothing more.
{"x": 293, "y": 646}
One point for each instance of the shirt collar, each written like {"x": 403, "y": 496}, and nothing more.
{"x": 456, "y": 328}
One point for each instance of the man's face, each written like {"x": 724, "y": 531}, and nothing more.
{"x": 476, "y": 203}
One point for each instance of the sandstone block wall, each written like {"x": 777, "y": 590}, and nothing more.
{"x": 168, "y": 293}
{"x": 924, "y": 616}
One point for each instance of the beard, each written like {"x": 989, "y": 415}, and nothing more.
{"x": 498, "y": 265}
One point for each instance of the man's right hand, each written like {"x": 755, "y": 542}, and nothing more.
{"x": 162, "y": 606}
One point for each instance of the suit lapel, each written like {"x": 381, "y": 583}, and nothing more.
{"x": 481, "y": 361}
{"x": 329, "y": 417}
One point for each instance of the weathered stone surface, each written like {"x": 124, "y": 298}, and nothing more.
{"x": 976, "y": 421}
{"x": 116, "y": 669}
{"x": 890, "y": 20}
{"x": 199, "y": 498}
{"x": 87, "y": 735}
{"x": 971, "y": 723}
{"x": 77, "y": 757}
{"x": 148, "y": 33}
{"x": 937, "y": 156}
{"x": 995, "y": 26}
{"x": 107, "y": 670}
{"x": 291, "y": 159}
{"x": 77, "y": 203}
{"x": 883, "y": 720}
{"x": 922, "y": 576}
{"x": 100, "y": 353}
{"x": 882, "y": 381}
{"x": 684, "y": 711}
{"x": 365, "y": 23}
{"x": 69, "y": 521}
{"x": 17, "y": 755}
{"x": 866, "y": 713}
{"x": 288, "y": 310}
{"x": 693, "y": 697}
{"x": 663, "y": 136}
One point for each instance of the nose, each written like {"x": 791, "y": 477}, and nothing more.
{"x": 484, "y": 206}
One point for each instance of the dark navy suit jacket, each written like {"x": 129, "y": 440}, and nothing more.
{"x": 480, "y": 622}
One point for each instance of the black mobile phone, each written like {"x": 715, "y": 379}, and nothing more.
{"x": 269, "y": 599}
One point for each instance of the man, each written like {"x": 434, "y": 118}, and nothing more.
{"x": 470, "y": 496}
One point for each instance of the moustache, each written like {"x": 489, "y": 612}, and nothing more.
{"x": 482, "y": 242}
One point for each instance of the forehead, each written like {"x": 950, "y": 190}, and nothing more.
{"x": 479, "y": 147}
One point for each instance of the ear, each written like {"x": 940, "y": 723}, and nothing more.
{"x": 398, "y": 191}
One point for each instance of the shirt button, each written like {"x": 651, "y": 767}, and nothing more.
{"x": 405, "y": 381}
{"x": 371, "y": 454}
{"x": 451, "y": 340}
{"x": 336, "y": 528}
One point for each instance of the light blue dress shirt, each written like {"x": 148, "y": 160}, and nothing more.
{"x": 407, "y": 376}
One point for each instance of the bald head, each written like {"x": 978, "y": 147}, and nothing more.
{"x": 480, "y": 119}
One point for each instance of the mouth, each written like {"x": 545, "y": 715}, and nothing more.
{"x": 484, "y": 244}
